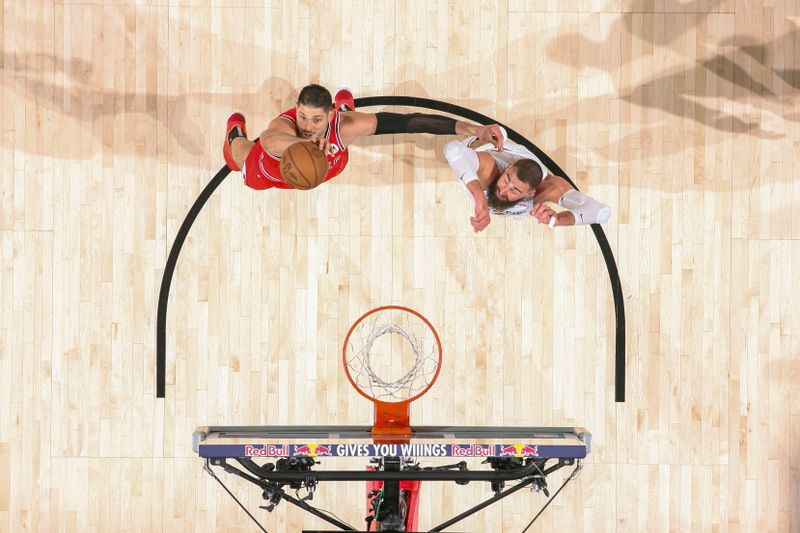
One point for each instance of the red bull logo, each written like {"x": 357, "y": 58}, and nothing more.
{"x": 269, "y": 450}
{"x": 312, "y": 450}
{"x": 519, "y": 450}
{"x": 475, "y": 450}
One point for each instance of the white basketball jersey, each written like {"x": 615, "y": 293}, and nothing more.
{"x": 504, "y": 158}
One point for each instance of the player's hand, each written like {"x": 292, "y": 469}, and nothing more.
{"x": 544, "y": 214}
{"x": 481, "y": 218}
{"x": 491, "y": 134}
{"x": 323, "y": 144}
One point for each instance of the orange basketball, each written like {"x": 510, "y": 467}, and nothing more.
{"x": 303, "y": 165}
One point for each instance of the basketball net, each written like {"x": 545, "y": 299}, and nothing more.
{"x": 392, "y": 357}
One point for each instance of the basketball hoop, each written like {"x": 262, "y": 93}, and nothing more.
{"x": 392, "y": 356}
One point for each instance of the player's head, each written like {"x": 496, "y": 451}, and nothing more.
{"x": 516, "y": 183}
{"x": 314, "y": 105}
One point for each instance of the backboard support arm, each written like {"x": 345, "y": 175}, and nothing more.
{"x": 271, "y": 482}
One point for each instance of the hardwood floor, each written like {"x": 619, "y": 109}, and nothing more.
{"x": 681, "y": 115}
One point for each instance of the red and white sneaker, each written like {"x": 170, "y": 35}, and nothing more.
{"x": 236, "y": 119}
{"x": 343, "y": 100}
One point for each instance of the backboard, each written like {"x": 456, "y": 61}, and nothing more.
{"x": 392, "y": 356}
{"x": 358, "y": 441}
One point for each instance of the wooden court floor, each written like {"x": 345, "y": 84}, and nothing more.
{"x": 681, "y": 115}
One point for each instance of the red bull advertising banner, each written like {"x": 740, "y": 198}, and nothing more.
{"x": 392, "y": 450}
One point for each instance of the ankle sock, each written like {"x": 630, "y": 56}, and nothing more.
{"x": 235, "y": 132}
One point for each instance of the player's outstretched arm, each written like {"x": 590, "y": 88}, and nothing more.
{"x": 481, "y": 219}
{"x": 466, "y": 165}
{"x": 355, "y": 124}
{"x": 580, "y": 208}
{"x": 491, "y": 134}
{"x": 584, "y": 209}
{"x": 281, "y": 134}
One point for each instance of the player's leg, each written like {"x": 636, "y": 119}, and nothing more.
{"x": 240, "y": 148}
{"x": 236, "y": 146}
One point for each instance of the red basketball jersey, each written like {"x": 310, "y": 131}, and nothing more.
{"x": 262, "y": 170}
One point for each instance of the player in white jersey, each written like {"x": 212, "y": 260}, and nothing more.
{"x": 508, "y": 179}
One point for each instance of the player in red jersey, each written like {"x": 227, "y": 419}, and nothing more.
{"x": 332, "y": 124}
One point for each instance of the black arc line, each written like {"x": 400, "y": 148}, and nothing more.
{"x": 410, "y": 101}
{"x": 169, "y": 271}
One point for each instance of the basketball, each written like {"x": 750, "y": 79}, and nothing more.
{"x": 303, "y": 165}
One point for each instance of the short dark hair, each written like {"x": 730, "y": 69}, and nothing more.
{"x": 316, "y": 96}
{"x": 528, "y": 172}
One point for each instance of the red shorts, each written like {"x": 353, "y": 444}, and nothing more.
{"x": 262, "y": 170}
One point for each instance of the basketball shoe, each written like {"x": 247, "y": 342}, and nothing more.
{"x": 236, "y": 120}
{"x": 343, "y": 100}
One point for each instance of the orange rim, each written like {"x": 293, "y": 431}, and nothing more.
{"x": 376, "y": 310}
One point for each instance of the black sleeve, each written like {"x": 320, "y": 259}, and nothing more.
{"x": 414, "y": 123}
